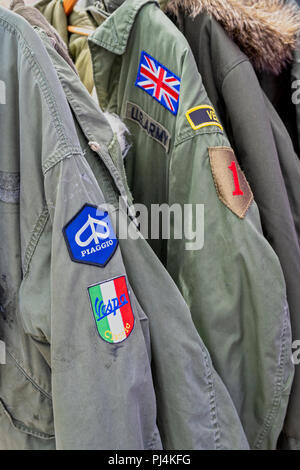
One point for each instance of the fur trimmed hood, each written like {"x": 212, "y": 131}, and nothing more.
{"x": 265, "y": 30}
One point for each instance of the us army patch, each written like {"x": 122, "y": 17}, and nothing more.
{"x": 202, "y": 116}
{"x": 90, "y": 237}
{"x": 151, "y": 127}
{"x": 112, "y": 310}
{"x": 159, "y": 82}
{"x": 231, "y": 184}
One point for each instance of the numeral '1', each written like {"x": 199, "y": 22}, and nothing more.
{"x": 237, "y": 191}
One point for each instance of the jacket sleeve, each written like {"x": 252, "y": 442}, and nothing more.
{"x": 235, "y": 290}
{"x": 233, "y": 281}
{"x": 265, "y": 151}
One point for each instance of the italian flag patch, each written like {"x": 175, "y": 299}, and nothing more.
{"x": 112, "y": 309}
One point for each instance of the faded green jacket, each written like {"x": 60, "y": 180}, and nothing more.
{"x": 63, "y": 385}
{"x": 263, "y": 146}
{"x": 234, "y": 284}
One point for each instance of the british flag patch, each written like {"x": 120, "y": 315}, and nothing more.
{"x": 159, "y": 82}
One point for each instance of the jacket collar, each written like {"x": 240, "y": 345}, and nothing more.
{"x": 114, "y": 33}
{"x": 265, "y": 30}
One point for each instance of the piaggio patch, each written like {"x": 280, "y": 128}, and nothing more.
{"x": 159, "y": 82}
{"x": 231, "y": 184}
{"x": 202, "y": 116}
{"x": 90, "y": 237}
{"x": 112, "y": 309}
{"x": 151, "y": 127}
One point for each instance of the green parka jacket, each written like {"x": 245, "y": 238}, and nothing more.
{"x": 125, "y": 372}
{"x": 267, "y": 34}
{"x": 144, "y": 71}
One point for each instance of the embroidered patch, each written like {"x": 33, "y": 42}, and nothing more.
{"x": 159, "y": 82}
{"x": 152, "y": 128}
{"x": 112, "y": 310}
{"x": 231, "y": 184}
{"x": 202, "y": 116}
{"x": 90, "y": 237}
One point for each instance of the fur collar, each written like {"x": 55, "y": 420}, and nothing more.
{"x": 265, "y": 30}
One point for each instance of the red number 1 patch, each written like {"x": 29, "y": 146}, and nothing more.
{"x": 222, "y": 159}
{"x": 238, "y": 191}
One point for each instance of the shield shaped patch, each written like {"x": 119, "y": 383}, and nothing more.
{"x": 90, "y": 236}
{"x": 112, "y": 310}
{"x": 231, "y": 183}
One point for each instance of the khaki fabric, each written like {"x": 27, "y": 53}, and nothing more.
{"x": 234, "y": 284}
{"x": 262, "y": 144}
{"x": 77, "y": 44}
{"x": 63, "y": 386}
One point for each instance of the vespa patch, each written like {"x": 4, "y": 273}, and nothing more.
{"x": 112, "y": 310}
{"x": 202, "y": 116}
{"x": 232, "y": 186}
{"x": 90, "y": 237}
{"x": 159, "y": 82}
{"x": 151, "y": 127}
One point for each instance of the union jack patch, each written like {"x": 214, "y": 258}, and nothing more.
{"x": 159, "y": 82}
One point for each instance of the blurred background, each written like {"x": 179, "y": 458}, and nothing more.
{"x": 5, "y": 3}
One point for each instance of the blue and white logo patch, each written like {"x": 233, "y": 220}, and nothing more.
{"x": 90, "y": 237}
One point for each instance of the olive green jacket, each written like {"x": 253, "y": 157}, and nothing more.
{"x": 262, "y": 144}
{"x": 234, "y": 284}
{"x": 63, "y": 385}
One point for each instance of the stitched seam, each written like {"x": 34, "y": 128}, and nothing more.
{"x": 30, "y": 378}
{"x": 278, "y": 386}
{"x": 189, "y": 134}
{"x": 103, "y": 154}
{"x": 21, "y": 427}
{"x": 112, "y": 46}
{"x": 35, "y": 237}
{"x": 212, "y": 400}
{"x": 233, "y": 66}
{"x": 52, "y": 161}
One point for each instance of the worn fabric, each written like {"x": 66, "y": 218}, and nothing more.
{"x": 234, "y": 284}
{"x": 263, "y": 149}
{"x": 63, "y": 386}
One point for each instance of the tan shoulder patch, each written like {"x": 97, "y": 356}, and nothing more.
{"x": 232, "y": 186}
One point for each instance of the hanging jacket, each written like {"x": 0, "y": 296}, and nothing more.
{"x": 262, "y": 144}
{"x": 233, "y": 283}
{"x": 101, "y": 349}
{"x": 282, "y": 86}
{"x": 76, "y": 42}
